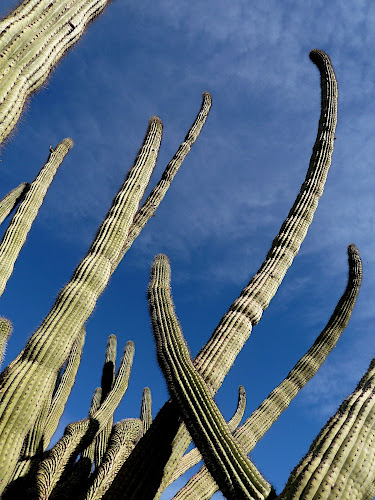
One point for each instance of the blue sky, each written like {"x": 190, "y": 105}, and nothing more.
{"x": 225, "y": 205}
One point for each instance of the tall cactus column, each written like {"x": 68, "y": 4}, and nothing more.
{"x": 236, "y": 475}
{"x": 33, "y": 38}
{"x": 27, "y": 381}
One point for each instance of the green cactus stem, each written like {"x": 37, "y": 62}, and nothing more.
{"x": 63, "y": 390}
{"x": 233, "y": 471}
{"x": 80, "y": 434}
{"x": 193, "y": 457}
{"x": 124, "y": 437}
{"x": 157, "y": 194}
{"x": 87, "y": 455}
{"x": 19, "y": 227}
{"x": 33, "y": 39}
{"x": 21, "y": 388}
{"x": 146, "y": 409}
{"x": 202, "y": 485}
{"x": 340, "y": 462}
{"x": 11, "y": 200}
{"x": 108, "y": 379}
{"x": 217, "y": 356}
{"x": 5, "y": 332}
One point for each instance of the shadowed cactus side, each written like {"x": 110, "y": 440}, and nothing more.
{"x": 137, "y": 458}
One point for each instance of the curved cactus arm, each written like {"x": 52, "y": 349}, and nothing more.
{"x": 64, "y": 387}
{"x": 157, "y": 194}
{"x": 217, "y": 356}
{"x": 193, "y": 457}
{"x": 11, "y": 200}
{"x": 79, "y": 435}
{"x": 341, "y": 460}
{"x": 124, "y": 436}
{"x": 34, "y": 38}
{"x": 146, "y": 409}
{"x": 233, "y": 471}
{"x": 5, "y": 332}
{"x": 108, "y": 379}
{"x": 19, "y": 227}
{"x": 202, "y": 485}
{"x": 50, "y": 345}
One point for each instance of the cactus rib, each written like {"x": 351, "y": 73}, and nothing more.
{"x": 328, "y": 465}
{"x": 124, "y": 437}
{"x": 5, "y": 332}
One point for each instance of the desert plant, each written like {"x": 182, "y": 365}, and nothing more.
{"x": 137, "y": 458}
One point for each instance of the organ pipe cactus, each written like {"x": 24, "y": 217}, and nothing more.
{"x": 33, "y": 38}
{"x": 137, "y": 458}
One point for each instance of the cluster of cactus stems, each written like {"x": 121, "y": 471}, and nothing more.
{"x": 137, "y": 458}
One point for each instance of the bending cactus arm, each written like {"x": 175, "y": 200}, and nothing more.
{"x": 193, "y": 457}
{"x": 33, "y": 39}
{"x": 10, "y": 201}
{"x": 234, "y": 472}
{"x": 202, "y": 485}
{"x": 50, "y": 345}
{"x": 269, "y": 411}
{"x": 15, "y": 236}
{"x": 218, "y": 355}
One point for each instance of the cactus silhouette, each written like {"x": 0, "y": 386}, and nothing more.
{"x": 137, "y": 458}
